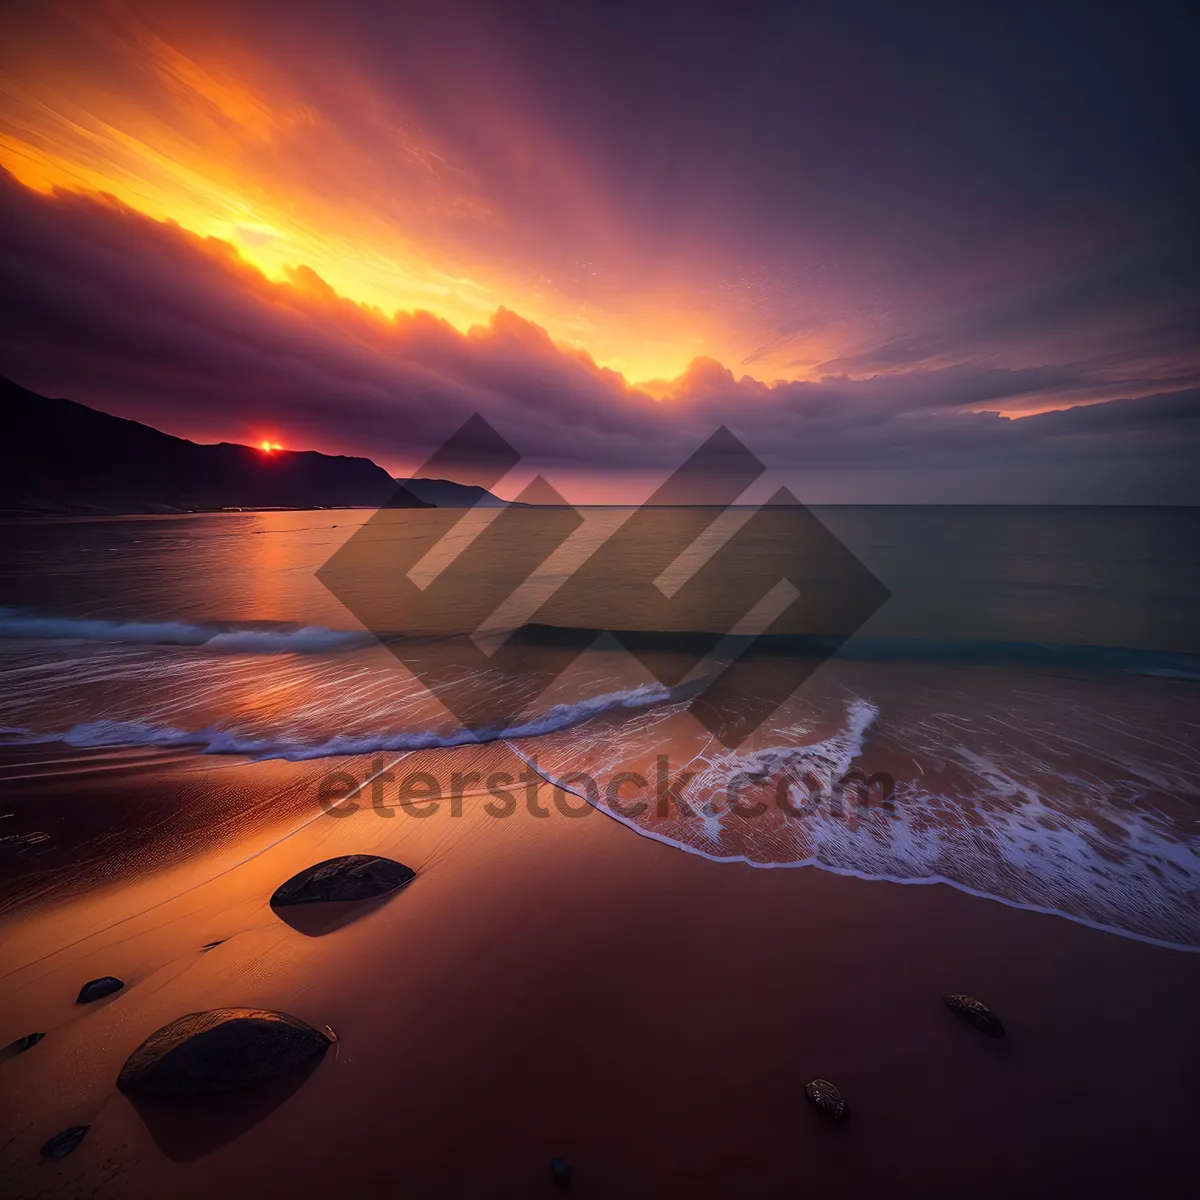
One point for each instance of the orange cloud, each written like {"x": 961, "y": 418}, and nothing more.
{"x": 414, "y": 160}
{"x": 183, "y": 125}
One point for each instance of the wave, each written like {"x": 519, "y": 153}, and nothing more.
{"x": 319, "y": 639}
{"x": 1045, "y": 655}
{"x": 944, "y": 651}
{"x": 1085, "y": 856}
{"x": 217, "y": 740}
{"x": 244, "y": 639}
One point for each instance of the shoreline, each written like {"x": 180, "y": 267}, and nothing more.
{"x": 866, "y": 877}
{"x": 133, "y": 778}
{"x": 562, "y": 987}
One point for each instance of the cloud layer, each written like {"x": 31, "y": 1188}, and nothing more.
{"x": 857, "y": 188}
{"x": 146, "y": 320}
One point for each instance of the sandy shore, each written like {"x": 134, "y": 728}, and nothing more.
{"x": 565, "y": 987}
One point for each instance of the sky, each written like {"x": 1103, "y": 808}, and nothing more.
{"x": 907, "y": 253}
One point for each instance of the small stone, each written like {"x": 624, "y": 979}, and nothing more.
{"x": 62, "y": 1144}
{"x": 976, "y": 1012}
{"x": 97, "y": 989}
{"x": 351, "y": 877}
{"x": 221, "y": 1050}
{"x": 560, "y": 1172}
{"x": 827, "y": 1098}
{"x": 21, "y": 1045}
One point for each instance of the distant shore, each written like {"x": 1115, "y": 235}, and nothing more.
{"x": 32, "y": 514}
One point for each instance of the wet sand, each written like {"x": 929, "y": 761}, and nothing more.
{"x": 565, "y": 987}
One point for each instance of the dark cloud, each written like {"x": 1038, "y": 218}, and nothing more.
{"x": 851, "y": 189}
{"x": 1143, "y": 303}
{"x": 148, "y": 321}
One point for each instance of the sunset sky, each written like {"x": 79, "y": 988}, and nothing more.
{"x": 906, "y": 252}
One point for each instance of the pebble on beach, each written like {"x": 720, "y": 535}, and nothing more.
{"x": 351, "y": 877}
{"x": 97, "y": 989}
{"x": 21, "y": 1045}
{"x": 221, "y": 1050}
{"x": 827, "y": 1098}
{"x": 64, "y": 1143}
{"x": 976, "y": 1013}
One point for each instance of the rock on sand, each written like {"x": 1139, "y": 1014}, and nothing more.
{"x": 351, "y": 877}
{"x": 219, "y": 1051}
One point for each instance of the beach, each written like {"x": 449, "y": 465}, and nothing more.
{"x": 627, "y": 944}
{"x": 561, "y": 987}
{"x": 599, "y": 601}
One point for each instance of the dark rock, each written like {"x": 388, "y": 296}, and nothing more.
{"x": 97, "y": 989}
{"x": 560, "y": 1172}
{"x": 21, "y": 1045}
{"x": 351, "y": 877}
{"x": 218, "y": 1051}
{"x": 976, "y": 1012}
{"x": 62, "y": 1144}
{"x": 827, "y": 1098}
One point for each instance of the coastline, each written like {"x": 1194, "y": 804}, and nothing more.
{"x": 564, "y": 987}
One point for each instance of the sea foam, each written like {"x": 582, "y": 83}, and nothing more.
{"x": 308, "y": 639}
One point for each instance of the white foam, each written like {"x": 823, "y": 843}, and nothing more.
{"x": 309, "y": 639}
{"x": 1105, "y": 865}
{"x": 216, "y": 740}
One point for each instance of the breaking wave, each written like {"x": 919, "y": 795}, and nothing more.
{"x": 1033, "y": 787}
{"x": 216, "y": 740}
{"x": 308, "y": 639}
{"x": 319, "y": 639}
{"x": 1019, "y": 823}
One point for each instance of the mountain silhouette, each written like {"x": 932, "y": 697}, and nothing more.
{"x": 57, "y": 456}
{"x": 445, "y": 493}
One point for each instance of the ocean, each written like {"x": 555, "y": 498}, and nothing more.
{"x": 1026, "y": 700}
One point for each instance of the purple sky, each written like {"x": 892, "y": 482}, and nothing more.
{"x": 907, "y": 253}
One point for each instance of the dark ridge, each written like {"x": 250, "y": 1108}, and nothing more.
{"x": 57, "y": 456}
{"x": 445, "y": 493}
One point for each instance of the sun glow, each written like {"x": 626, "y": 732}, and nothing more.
{"x": 269, "y": 447}
{"x": 228, "y": 147}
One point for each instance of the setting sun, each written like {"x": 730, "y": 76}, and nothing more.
{"x": 767, "y": 429}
